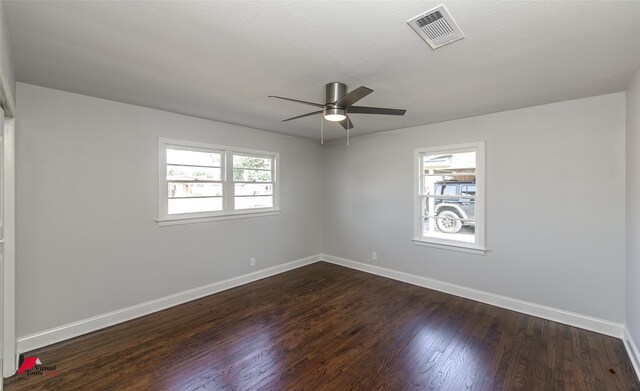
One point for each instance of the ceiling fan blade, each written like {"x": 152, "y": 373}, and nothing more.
{"x": 303, "y": 115}
{"x": 344, "y": 123}
{"x": 352, "y": 97}
{"x": 375, "y": 110}
{"x": 298, "y": 101}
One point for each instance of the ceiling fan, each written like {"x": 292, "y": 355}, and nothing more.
{"x": 338, "y": 104}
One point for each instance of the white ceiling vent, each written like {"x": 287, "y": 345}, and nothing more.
{"x": 436, "y": 27}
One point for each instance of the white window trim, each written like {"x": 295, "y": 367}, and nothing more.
{"x": 475, "y": 248}
{"x": 228, "y": 187}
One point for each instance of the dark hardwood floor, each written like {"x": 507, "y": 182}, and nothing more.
{"x": 325, "y": 327}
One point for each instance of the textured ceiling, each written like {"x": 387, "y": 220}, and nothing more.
{"x": 220, "y": 60}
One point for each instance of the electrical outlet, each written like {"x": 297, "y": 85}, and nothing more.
{"x": 252, "y": 262}
{"x": 374, "y": 256}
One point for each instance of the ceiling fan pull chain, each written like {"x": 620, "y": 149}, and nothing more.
{"x": 321, "y": 130}
{"x": 348, "y": 125}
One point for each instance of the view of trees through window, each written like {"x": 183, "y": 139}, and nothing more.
{"x": 253, "y": 182}
{"x": 251, "y": 169}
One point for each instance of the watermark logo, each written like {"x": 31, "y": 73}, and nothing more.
{"x": 32, "y": 366}
{"x": 28, "y": 364}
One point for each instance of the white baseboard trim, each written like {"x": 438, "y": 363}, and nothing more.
{"x": 570, "y": 318}
{"x": 75, "y": 329}
{"x": 632, "y": 351}
{"x": 61, "y": 333}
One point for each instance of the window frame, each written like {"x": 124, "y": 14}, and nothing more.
{"x": 228, "y": 184}
{"x": 478, "y": 247}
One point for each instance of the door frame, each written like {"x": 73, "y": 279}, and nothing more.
{"x": 9, "y": 351}
{"x": 8, "y": 342}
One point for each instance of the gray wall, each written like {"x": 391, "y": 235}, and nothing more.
{"x": 633, "y": 209}
{"x": 87, "y": 200}
{"x": 555, "y": 204}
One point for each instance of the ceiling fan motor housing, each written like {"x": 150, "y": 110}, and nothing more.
{"x": 334, "y": 91}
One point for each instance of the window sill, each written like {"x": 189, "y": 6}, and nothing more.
{"x": 461, "y": 247}
{"x": 163, "y": 222}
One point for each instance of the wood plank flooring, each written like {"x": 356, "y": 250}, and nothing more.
{"x": 325, "y": 327}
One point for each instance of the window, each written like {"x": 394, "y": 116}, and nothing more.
{"x": 194, "y": 180}
{"x": 201, "y": 182}
{"x": 253, "y": 181}
{"x": 449, "y": 203}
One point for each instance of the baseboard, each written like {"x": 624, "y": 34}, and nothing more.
{"x": 632, "y": 351}
{"x": 71, "y": 330}
{"x": 61, "y": 333}
{"x": 570, "y": 318}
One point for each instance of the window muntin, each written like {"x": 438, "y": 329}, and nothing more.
{"x": 201, "y": 181}
{"x": 449, "y": 203}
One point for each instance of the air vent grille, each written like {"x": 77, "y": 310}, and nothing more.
{"x": 429, "y": 19}
{"x": 436, "y": 27}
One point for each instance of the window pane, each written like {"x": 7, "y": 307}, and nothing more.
{"x": 464, "y": 207}
{"x": 251, "y": 162}
{"x": 249, "y": 189}
{"x": 452, "y": 219}
{"x": 254, "y": 202}
{"x": 193, "y": 158}
{"x": 193, "y": 205}
{"x": 447, "y": 173}
{"x": 177, "y": 190}
{"x": 189, "y": 173}
{"x": 243, "y": 175}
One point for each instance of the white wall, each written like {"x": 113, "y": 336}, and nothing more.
{"x": 633, "y": 209}
{"x": 6, "y": 64}
{"x": 555, "y": 204}
{"x": 87, "y": 200}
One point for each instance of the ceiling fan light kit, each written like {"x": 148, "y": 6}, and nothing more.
{"x": 335, "y": 115}
{"x": 338, "y": 104}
